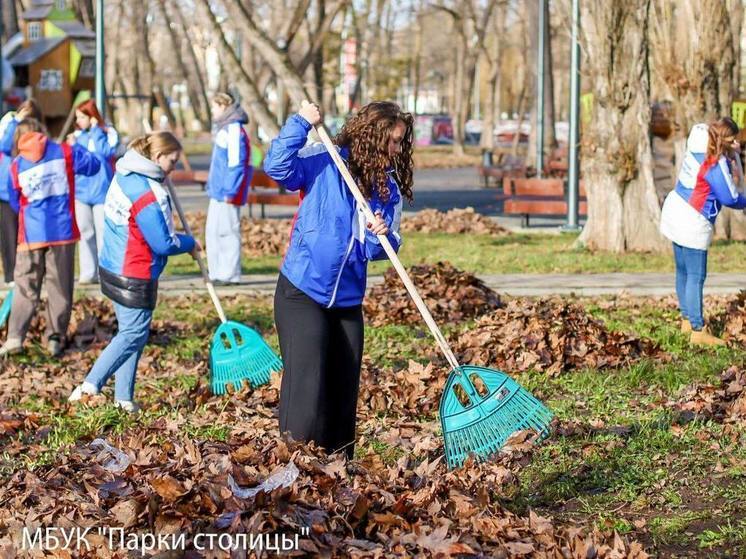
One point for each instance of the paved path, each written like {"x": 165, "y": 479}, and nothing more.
{"x": 510, "y": 284}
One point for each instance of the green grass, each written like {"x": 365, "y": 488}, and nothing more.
{"x": 539, "y": 253}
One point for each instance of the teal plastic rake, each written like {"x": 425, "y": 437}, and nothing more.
{"x": 480, "y": 408}
{"x": 5, "y": 308}
{"x": 238, "y": 353}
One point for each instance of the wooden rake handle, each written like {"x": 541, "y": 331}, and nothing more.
{"x": 390, "y": 252}
{"x": 200, "y": 261}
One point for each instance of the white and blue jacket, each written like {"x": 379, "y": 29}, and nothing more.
{"x": 703, "y": 187}
{"x": 8, "y": 125}
{"x": 92, "y": 190}
{"x": 230, "y": 167}
{"x": 330, "y": 244}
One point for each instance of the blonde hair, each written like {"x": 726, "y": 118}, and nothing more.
{"x": 223, "y": 99}
{"x": 155, "y": 143}
{"x": 718, "y": 131}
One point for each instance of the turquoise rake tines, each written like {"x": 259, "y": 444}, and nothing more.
{"x": 480, "y": 408}
{"x": 488, "y": 416}
{"x": 5, "y": 308}
{"x": 239, "y": 354}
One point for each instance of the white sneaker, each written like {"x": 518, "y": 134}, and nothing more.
{"x": 85, "y": 388}
{"x": 11, "y": 346}
{"x": 128, "y": 405}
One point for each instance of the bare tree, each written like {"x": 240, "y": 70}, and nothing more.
{"x": 623, "y": 209}
{"x": 10, "y": 19}
{"x": 493, "y": 55}
{"x": 245, "y": 84}
{"x": 471, "y": 20}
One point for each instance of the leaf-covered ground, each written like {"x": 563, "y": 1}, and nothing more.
{"x": 648, "y": 454}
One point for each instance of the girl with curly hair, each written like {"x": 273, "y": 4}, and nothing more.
{"x": 319, "y": 294}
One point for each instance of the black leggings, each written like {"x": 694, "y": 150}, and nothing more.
{"x": 322, "y": 351}
{"x": 8, "y": 239}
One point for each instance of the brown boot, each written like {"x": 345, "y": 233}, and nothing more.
{"x": 686, "y": 326}
{"x": 703, "y": 337}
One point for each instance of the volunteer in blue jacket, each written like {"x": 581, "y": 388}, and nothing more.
{"x": 319, "y": 294}
{"x": 139, "y": 236}
{"x": 227, "y": 186}
{"x": 42, "y": 189}
{"x": 90, "y": 192}
{"x": 704, "y": 186}
{"x": 9, "y": 218}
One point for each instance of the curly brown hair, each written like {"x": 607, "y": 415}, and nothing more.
{"x": 719, "y": 131}
{"x": 367, "y": 134}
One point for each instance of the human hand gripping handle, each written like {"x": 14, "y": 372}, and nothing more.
{"x": 197, "y": 253}
{"x": 383, "y": 239}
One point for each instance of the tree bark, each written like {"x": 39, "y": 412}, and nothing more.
{"x": 550, "y": 140}
{"x": 255, "y": 101}
{"x": 10, "y": 19}
{"x": 623, "y": 210}
{"x": 492, "y": 106}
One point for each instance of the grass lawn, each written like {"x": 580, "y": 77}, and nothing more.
{"x": 513, "y": 254}
{"x": 678, "y": 488}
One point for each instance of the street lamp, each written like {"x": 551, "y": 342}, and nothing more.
{"x": 100, "y": 86}
{"x": 573, "y": 163}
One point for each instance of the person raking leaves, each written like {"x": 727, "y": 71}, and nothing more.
{"x": 139, "y": 236}
{"x": 319, "y": 294}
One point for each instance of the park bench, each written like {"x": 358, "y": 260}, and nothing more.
{"x": 508, "y": 166}
{"x": 527, "y": 197}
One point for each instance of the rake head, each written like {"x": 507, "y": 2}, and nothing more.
{"x": 480, "y": 408}
{"x": 239, "y": 354}
{"x": 5, "y": 308}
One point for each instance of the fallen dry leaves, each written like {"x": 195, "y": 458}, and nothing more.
{"x": 459, "y": 220}
{"x": 725, "y": 402}
{"x": 549, "y": 335}
{"x": 260, "y": 237}
{"x": 170, "y": 478}
{"x": 450, "y": 294}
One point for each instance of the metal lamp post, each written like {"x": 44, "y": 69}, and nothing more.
{"x": 573, "y": 163}
{"x": 100, "y": 86}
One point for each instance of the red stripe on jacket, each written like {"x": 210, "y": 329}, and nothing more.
{"x": 702, "y": 188}
{"x": 67, "y": 151}
{"x": 138, "y": 257}
{"x": 239, "y": 199}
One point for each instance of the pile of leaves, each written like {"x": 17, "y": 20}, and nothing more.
{"x": 458, "y": 220}
{"x": 260, "y": 237}
{"x": 156, "y": 480}
{"x": 548, "y": 335}
{"x": 732, "y": 321}
{"x": 450, "y": 294}
{"x": 724, "y": 403}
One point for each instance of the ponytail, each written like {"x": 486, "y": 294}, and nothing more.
{"x": 155, "y": 143}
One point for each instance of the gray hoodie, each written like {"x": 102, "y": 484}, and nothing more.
{"x": 133, "y": 162}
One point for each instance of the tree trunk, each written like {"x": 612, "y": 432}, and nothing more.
{"x": 10, "y": 19}
{"x": 550, "y": 140}
{"x": 194, "y": 100}
{"x": 256, "y": 102}
{"x": 492, "y": 106}
{"x": 617, "y": 163}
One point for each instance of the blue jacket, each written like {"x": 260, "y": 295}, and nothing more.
{"x": 139, "y": 233}
{"x": 42, "y": 193}
{"x": 92, "y": 190}
{"x": 230, "y": 167}
{"x": 7, "y": 131}
{"x": 330, "y": 245}
{"x": 713, "y": 188}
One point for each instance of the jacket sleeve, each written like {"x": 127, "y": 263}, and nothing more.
{"x": 282, "y": 162}
{"x": 6, "y": 140}
{"x": 392, "y": 216}
{"x": 721, "y": 183}
{"x": 84, "y": 162}
{"x": 155, "y": 230}
{"x": 98, "y": 143}
{"x": 238, "y": 160}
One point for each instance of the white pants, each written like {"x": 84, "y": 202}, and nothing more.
{"x": 223, "y": 241}
{"x": 91, "y": 224}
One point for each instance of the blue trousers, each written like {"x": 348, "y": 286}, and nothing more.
{"x": 691, "y": 271}
{"x": 121, "y": 356}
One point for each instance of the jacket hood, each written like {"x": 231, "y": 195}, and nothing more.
{"x": 31, "y": 146}
{"x": 133, "y": 162}
{"x": 234, "y": 113}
